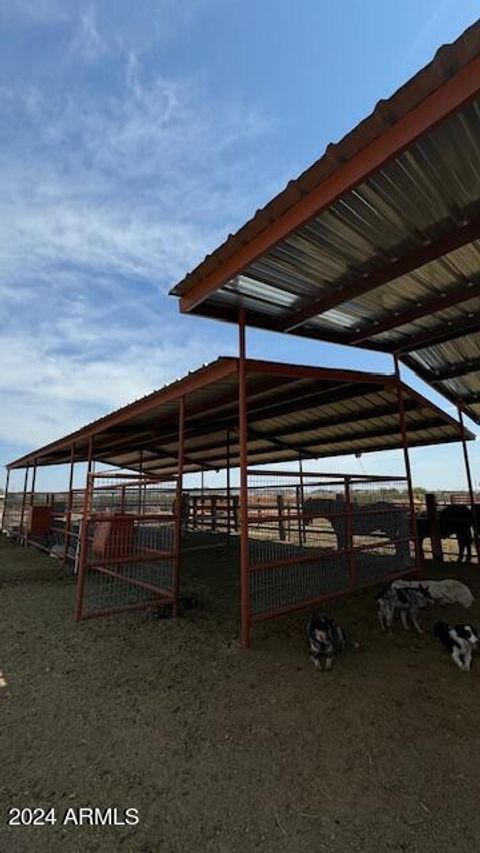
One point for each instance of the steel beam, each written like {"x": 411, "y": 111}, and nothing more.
{"x": 417, "y": 368}
{"x": 443, "y": 333}
{"x": 424, "y": 308}
{"x": 453, "y": 372}
{"x": 258, "y": 412}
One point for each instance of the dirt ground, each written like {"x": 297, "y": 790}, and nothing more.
{"x": 227, "y": 750}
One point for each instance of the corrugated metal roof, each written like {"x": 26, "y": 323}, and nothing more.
{"x": 448, "y": 60}
{"x": 392, "y": 263}
{"x": 293, "y": 411}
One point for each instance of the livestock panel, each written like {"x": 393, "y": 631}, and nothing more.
{"x": 46, "y": 520}
{"x": 383, "y": 534}
{"x": 129, "y": 550}
{"x": 12, "y": 513}
{"x": 314, "y": 536}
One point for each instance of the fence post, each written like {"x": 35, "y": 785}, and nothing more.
{"x": 352, "y": 569}
{"x": 83, "y": 545}
{"x": 434, "y": 527}
{"x": 235, "y": 513}
{"x": 302, "y": 495}
{"x": 68, "y": 516}
{"x": 281, "y": 519}
{"x": 140, "y": 482}
{"x": 21, "y": 530}
{"x": 213, "y": 510}
{"x": 31, "y": 501}
{"x": 228, "y": 484}
{"x": 299, "y": 503}
{"x": 179, "y": 506}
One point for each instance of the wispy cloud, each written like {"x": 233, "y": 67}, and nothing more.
{"x": 34, "y": 11}
{"x": 87, "y": 43}
{"x": 107, "y": 198}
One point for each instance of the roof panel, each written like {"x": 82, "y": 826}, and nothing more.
{"x": 371, "y": 265}
{"x": 293, "y": 410}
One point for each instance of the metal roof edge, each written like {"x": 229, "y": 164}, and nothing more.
{"x": 448, "y": 61}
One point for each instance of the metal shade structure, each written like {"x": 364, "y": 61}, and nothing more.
{"x": 294, "y": 412}
{"x": 377, "y": 245}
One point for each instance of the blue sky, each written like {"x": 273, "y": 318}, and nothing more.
{"x": 134, "y": 137}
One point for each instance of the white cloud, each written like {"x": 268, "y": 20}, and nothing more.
{"x": 140, "y": 184}
{"x": 87, "y": 42}
{"x": 106, "y": 201}
{"x": 34, "y": 11}
{"x": 50, "y": 395}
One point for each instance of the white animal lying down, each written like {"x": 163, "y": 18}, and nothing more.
{"x": 442, "y": 592}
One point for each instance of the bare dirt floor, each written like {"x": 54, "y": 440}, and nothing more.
{"x": 228, "y": 750}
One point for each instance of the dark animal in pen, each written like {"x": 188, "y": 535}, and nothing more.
{"x": 407, "y": 600}
{"x": 459, "y": 640}
{"x": 379, "y": 517}
{"x": 454, "y": 520}
{"x": 326, "y": 640}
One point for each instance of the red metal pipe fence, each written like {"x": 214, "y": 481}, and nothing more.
{"x": 128, "y": 559}
{"x": 348, "y": 532}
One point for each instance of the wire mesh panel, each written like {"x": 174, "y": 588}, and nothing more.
{"x": 12, "y": 513}
{"x": 382, "y": 528}
{"x": 313, "y": 536}
{"x": 48, "y": 520}
{"x": 128, "y": 545}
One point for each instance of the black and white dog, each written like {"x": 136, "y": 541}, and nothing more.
{"x": 407, "y": 600}
{"x": 460, "y": 640}
{"x": 325, "y": 640}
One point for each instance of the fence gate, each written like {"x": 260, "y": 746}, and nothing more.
{"x": 315, "y": 536}
{"x": 129, "y": 550}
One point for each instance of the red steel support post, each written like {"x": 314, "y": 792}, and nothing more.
{"x": 243, "y": 425}
{"x": 406, "y": 457}
{"x": 68, "y": 519}
{"x": 82, "y": 558}
{"x": 469, "y": 482}
{"x": 179, "y": 506}
{"x": 5, "y": 498}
